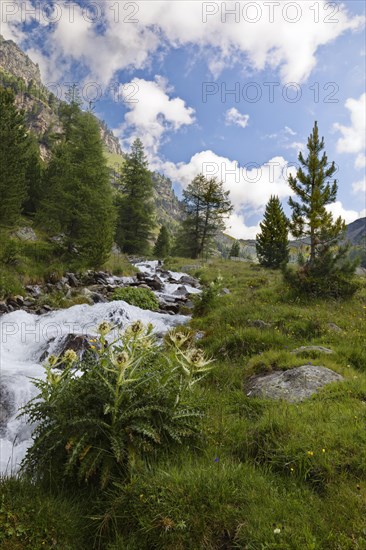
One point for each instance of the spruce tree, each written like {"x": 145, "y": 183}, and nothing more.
{"x": 272, "y": 242}
{"x": 206, "y": 207}
{"x": 79, "y": 201}
{"x": 235, "y": 249}
{"x": 326, "y": 270}
{"x": 14, "y": 142}
{"x": 162, "y": 245}
{"x": 134, "y": 205}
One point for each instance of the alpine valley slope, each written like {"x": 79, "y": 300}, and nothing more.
{"x": 41, "y": 107}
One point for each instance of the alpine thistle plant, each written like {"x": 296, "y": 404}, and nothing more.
{"x": 103, "y": 417}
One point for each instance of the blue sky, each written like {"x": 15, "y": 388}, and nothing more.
{"x": 164, "y": 71}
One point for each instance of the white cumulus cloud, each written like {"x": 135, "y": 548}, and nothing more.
{"x": 284, "y": 37}
{"x": 152, "y": 112}
{"x": 233, "y": 116}
{"x": 353, "y": 138}
{"x": 237, "y": 228}
{"x": 360, "y": 187}
{"x": 337, "y": 209}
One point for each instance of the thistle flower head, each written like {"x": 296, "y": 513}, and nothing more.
{"x": 137, "y": 327}
{"x": 146, "y": 343}
{"x": 121, "y": 359}
{"x": 104, "y": 328}
{"x": 178, "y": 338}
{"x": 70, "y": 356}
{"x": 52, "y": 360}
{"x": 197, "y": 357}
{"x": 53, "y": 378}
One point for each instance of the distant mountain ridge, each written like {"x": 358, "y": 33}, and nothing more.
{"x": 356, "y": 232}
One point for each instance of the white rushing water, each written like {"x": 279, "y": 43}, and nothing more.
{"x": 25, "y": 338}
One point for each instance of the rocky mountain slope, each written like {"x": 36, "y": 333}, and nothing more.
{"x": 41, "y": 106}
{"x": 18, "y": 71}
{"x": 356, "y": 232}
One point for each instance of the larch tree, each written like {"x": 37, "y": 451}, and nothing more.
{"x": 235, "y": 249}
{"x": 14, "y": 145}
{"x": 206, "y": 207}
{"x": 34, "y": 178}
{"x": 78, "y": 201}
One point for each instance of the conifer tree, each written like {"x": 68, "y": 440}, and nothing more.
{"x": 315, "y": 190}
{"x": 206, "y": 206}
{"x": 326, "y": 270}
{"x": 14, "y": 142}
{"x": 235, "y": 249}
{"x": 79, "y": 202}
{"x": 272, "y": 242}
{"x": 34, "y": 177}
{"x": 162, "y": 245}
{"x": 134, "y": 204}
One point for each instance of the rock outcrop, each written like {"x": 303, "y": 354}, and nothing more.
{"x": 292, "y": 385}
{"x": 40, "y": 104}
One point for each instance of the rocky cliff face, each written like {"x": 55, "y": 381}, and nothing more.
{"x": 169, "y": 208}
{"x": 109, "y": 139}
{"x": 15, "y": 62}
{"x": 18, "y": 71}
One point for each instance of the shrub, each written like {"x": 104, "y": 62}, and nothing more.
{"x": 205, "y": 301}
{"x": 123, "y": 404}
{"x": 9, "y": 284}
{"x": 136, "y": 296}
{"x": 39, "y": 251}
{"x": 336, "y": 285}
{"x": 10, "y": 252}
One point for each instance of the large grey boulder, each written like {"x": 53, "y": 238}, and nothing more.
{"x": 25, "y": 234}
{"x": 181, "y": 291}
{"x": 4, "y": 307}
{"x": 291, "y": 385}
{"x": 80, "y": 343}
{"x": 190, "y": 281}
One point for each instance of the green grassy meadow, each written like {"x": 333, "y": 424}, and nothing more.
{"x": 265, "y": 474}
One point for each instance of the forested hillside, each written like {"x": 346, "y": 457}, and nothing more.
{"x": 42, "y": 116}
